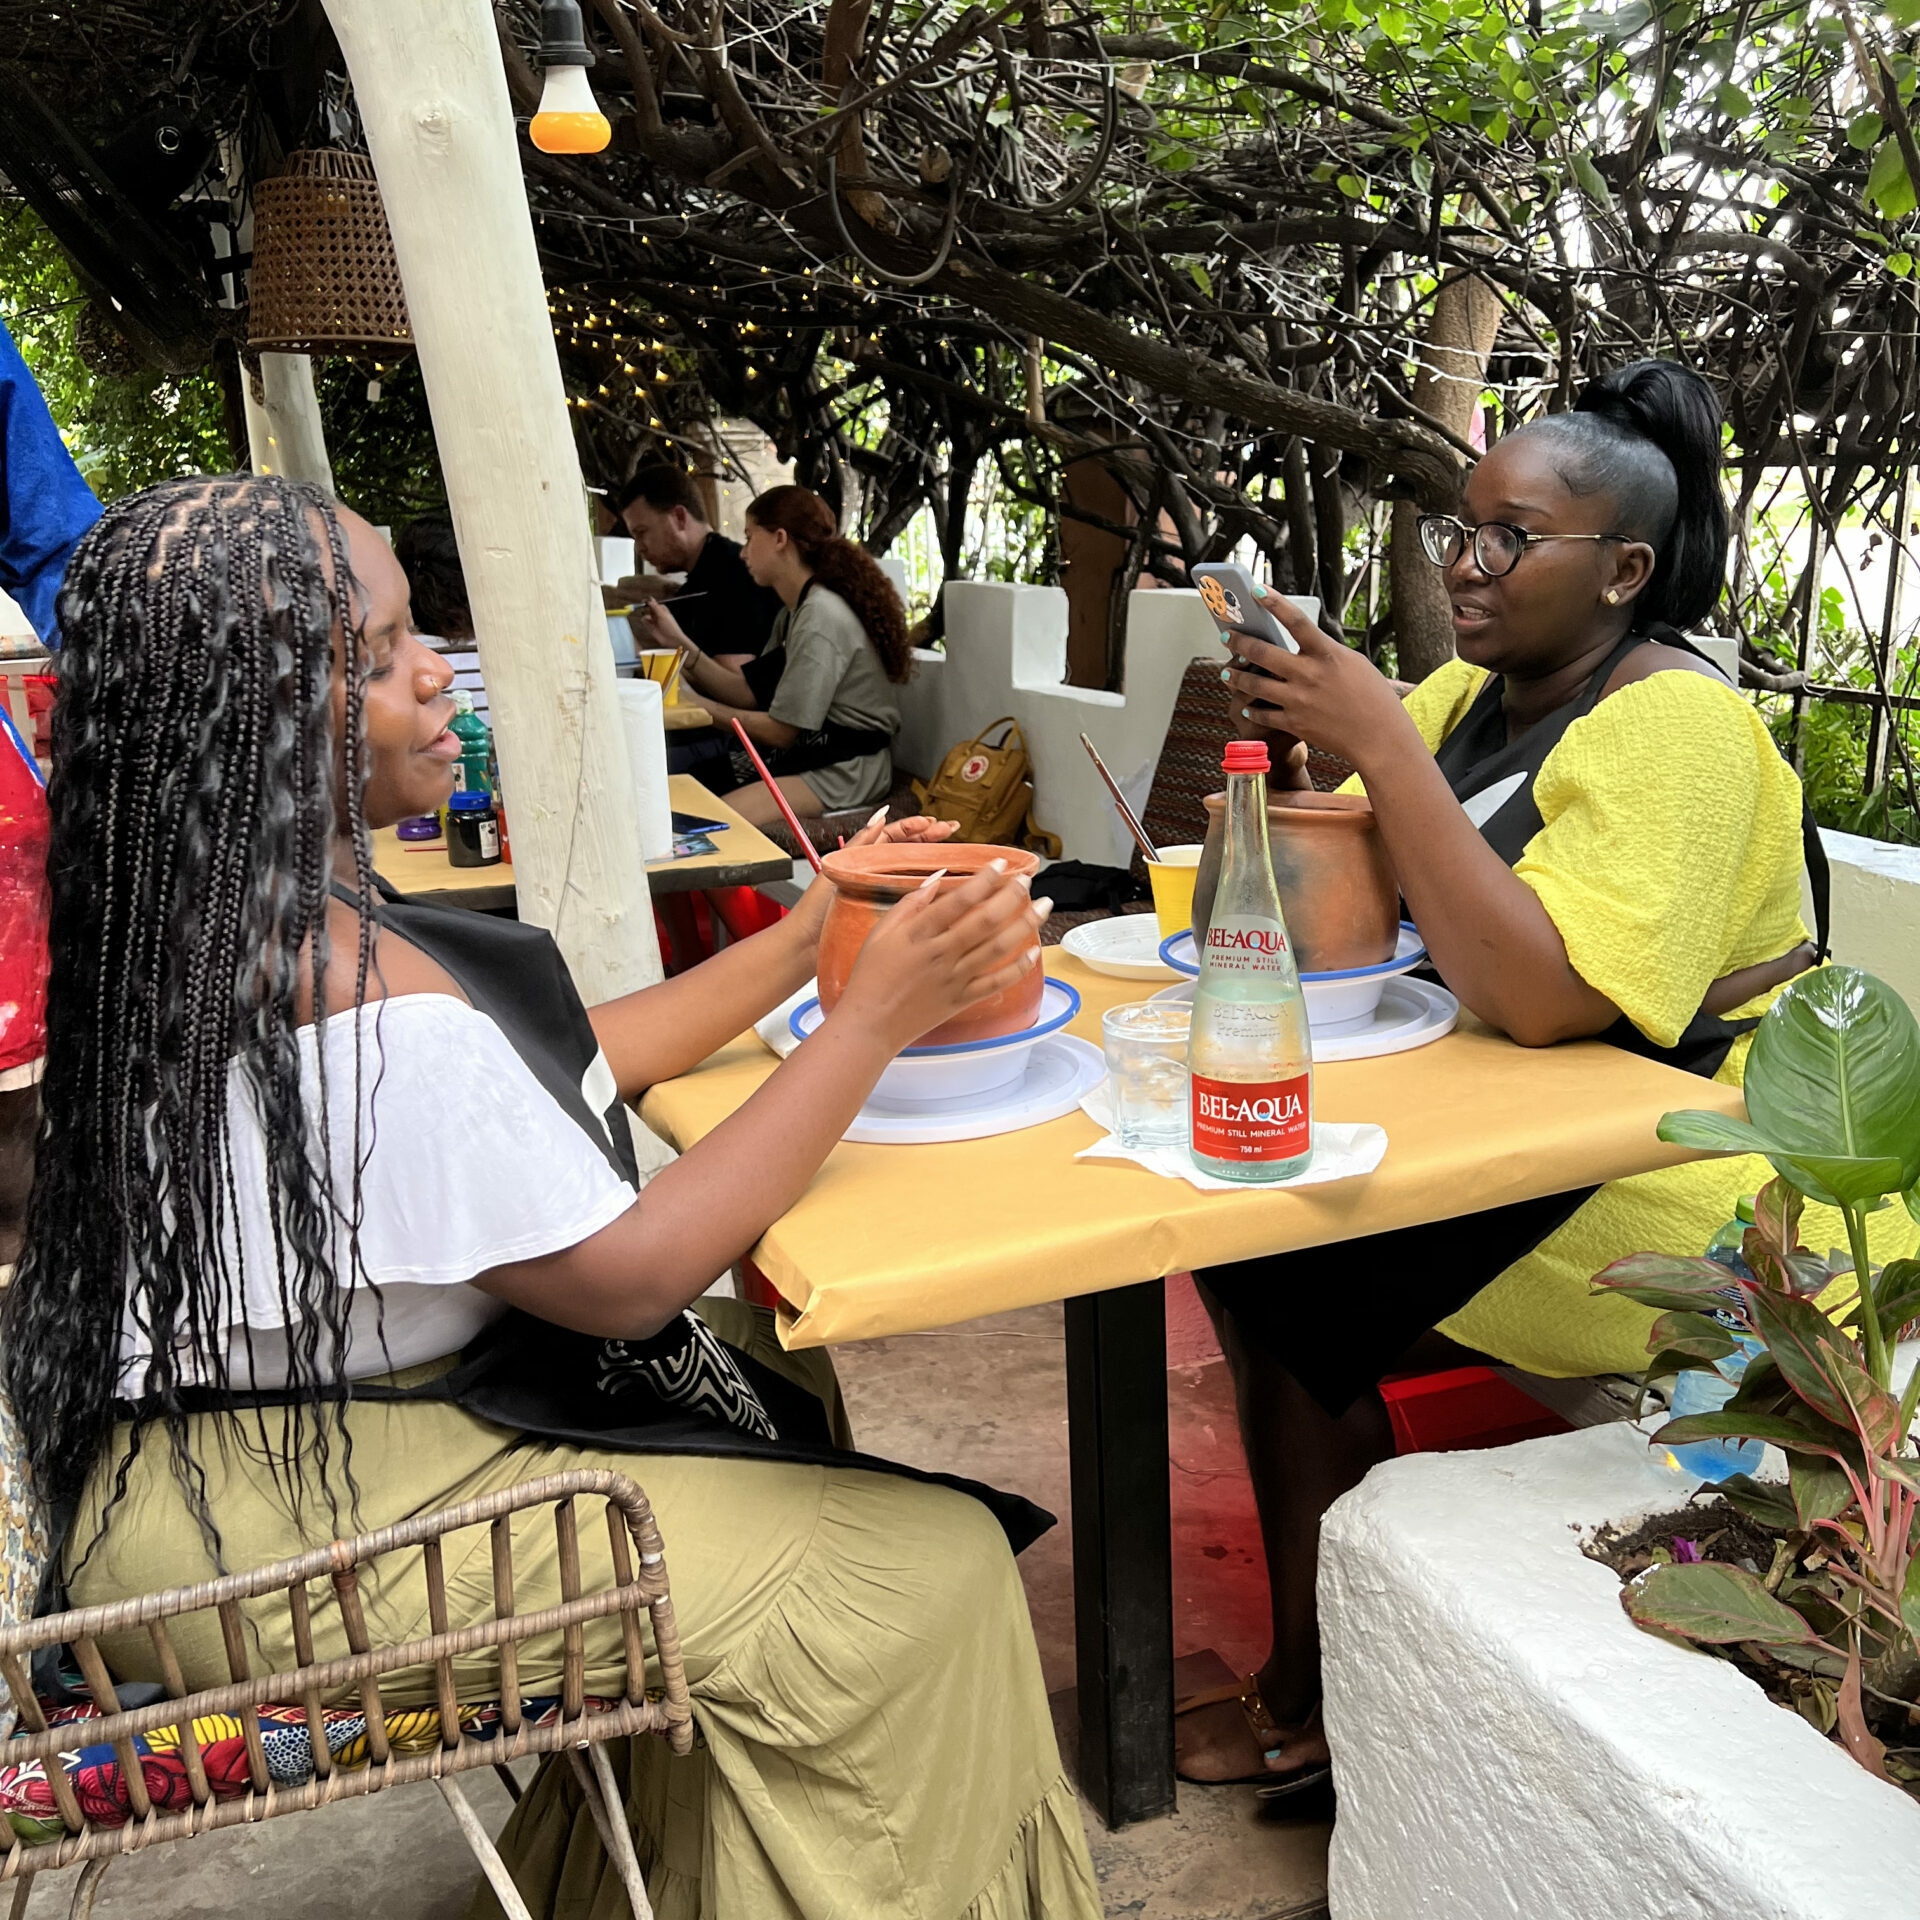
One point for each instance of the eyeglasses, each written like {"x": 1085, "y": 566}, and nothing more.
{"x": 1497, "y": 547}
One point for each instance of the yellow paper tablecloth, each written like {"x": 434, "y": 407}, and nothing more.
{"x": 895, "y": 1239}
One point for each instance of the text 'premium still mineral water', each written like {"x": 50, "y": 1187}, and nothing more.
{"x": 1250, "y": 1054}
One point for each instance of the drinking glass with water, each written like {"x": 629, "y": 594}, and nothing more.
{"x": 1146, "y": 1044}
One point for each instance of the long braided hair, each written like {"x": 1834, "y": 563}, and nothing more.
{"x": 193, "y": 804}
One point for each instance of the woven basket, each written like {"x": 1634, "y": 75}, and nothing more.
{"x": 324, "y": 276}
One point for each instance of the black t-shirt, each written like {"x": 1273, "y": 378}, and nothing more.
{"x": 736, "y": 616}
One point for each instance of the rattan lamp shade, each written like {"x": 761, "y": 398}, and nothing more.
{"x": 324, "y": 276}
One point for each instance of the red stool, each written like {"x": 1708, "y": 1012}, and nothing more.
{"x": 1461, "y": 1409}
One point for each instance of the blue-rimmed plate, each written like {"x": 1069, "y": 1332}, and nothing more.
{"x": 1336, "y": 1002}
{"x": 922, "y": 1076}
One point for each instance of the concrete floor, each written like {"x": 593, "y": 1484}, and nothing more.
{"x": 987, "y": 1399}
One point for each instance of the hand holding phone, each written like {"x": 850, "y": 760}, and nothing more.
{"x": 1229, "y": 595}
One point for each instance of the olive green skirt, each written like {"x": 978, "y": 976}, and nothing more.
{"x": 874, "y": 1736}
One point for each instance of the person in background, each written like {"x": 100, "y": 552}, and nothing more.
{"x": 720, "y": 606}
{"x": 820, "y": 702}
{"x": 430, "y": 554}
{"x": 45, "y": 506}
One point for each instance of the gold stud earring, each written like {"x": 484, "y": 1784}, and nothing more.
{"x": 1613, "y": 596}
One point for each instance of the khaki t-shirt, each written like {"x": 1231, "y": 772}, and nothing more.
{"x": 833, "y": 670}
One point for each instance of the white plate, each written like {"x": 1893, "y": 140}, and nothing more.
{"x": 1336, "y": 1002}
{"x": 961, "y": 1069}
{"x": 1060, "y": 1070}
{"x": 1410, "y": 1013}
{"x": 1127, "y": 947}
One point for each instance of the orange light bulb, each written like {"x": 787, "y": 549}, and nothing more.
{"x": 569, "y": 120}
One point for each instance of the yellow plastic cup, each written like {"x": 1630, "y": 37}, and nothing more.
{"x": 657, "y": 664}
{"x": 1172, "y": 877}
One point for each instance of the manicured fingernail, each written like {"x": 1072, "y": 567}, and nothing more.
{"x": 996, "y": 866}
{"x": 1246, "y": 713}
{"x": 933, "y": 880}
{"x": 1272, "y": 1753}
{"x": 1043, "y": 908}
{"x": 1225, "y": 675}
{"x": 1023, "y": 880}
{"x": 879, "y": 815}
{"x": 1032, "y": 953}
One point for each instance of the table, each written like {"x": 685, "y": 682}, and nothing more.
{"x": 743, "y": 856}
{"x": 900, "y": 1239}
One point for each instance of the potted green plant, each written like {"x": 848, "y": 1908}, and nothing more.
{"x": 1832, "y": 1624}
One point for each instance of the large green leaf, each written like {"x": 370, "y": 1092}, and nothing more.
{"x": 1716, "y": 1603}
{"x": 1818, "y": 1486}
{"x": 1896, "y": 1296}
{"x": 1833, "y": 1091}
{"x": 1834, "y": 1075}
{"x": 1819, "y": 1363}
{"x": 1692, "y": 1334}
{"x": 1889, "y": 186}
{"x": 1763, "y": 1500}
{"x": 1684, "y": 1282}
{"x": 1910, "y": 1598}
{"x": 1730, "y": 1424}
{"x": 1833, "y": 1179}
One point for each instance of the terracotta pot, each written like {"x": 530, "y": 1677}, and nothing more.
{"x": 869, "y": 880}
{"x": 1337, "y": 886}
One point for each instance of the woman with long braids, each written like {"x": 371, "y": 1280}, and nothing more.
{"x": 820, "y": 701}
{"x": 304, "y": 1146}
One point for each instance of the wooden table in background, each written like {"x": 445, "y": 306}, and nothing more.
{"x": 743, "y": 856}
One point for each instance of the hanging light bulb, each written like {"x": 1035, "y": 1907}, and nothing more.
{"x": 569, "y": 120}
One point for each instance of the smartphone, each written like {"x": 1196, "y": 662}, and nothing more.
{"x": 1234, "y": 601}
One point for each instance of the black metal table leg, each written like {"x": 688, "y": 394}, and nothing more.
{"x": 1122, "y": 1549}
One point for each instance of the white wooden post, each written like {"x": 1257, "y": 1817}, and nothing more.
{"x": 284, "y": 434}
{"x": 432, "y": 95}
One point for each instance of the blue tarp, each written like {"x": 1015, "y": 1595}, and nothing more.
{"x": 45, "y": 506}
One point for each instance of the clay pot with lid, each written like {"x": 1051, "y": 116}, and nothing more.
{"x": 1337, "y": 886}
{"x": 867, "y": 881}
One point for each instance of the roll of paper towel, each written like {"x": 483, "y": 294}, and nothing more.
{"x": 646, "y": 733}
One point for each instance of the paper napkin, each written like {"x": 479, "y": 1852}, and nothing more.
{"x": 1341, "y": 1150}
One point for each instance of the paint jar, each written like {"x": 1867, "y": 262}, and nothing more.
{"x": 421, "y": 826}
{"x": 473, "y": 831}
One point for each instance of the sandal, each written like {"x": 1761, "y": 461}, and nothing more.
{"x": 1265, "y": 1730}
{"x": 1316, "y": 1773}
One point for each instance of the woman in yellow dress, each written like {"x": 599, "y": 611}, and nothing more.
{"x": 1596, "y": 836}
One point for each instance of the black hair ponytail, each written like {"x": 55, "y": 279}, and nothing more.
{"x": 1670, "y": 406}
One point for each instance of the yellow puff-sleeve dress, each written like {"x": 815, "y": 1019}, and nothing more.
{"x": 1669, "y": 855}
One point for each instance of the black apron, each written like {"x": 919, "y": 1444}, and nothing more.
{"x": 1297, "y": 1307}
{"x": 684, "y": 1391}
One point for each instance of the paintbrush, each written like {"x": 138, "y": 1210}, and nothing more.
{"x": 1119, "y": 800}
{"x": 779, "y": 798}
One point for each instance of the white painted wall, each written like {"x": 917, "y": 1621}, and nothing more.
{"x": 1876, "y": 909}
{"x": 1509, "y": 1746}
{"x": 1007, "y": 653}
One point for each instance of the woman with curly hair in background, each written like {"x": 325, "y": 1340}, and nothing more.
{"x": 820, "y": 702}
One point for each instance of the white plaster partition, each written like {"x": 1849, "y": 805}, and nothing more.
{"x": 1876, "y": 909}
{"x": 1007, "y": 653}
{"x": 1509, "y": 1746}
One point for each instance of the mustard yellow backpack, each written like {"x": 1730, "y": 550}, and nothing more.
{"x": 987, "y": 786}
